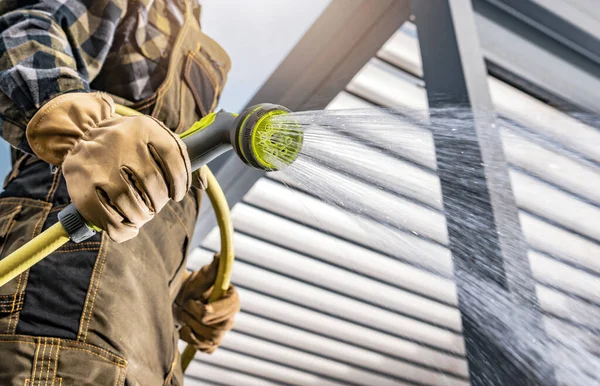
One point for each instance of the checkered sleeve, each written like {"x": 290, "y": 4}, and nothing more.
{"x": 48, "y": 48}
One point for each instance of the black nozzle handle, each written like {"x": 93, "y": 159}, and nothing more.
{"x": 75, "y": 225}
{"x": 210, "y": 141}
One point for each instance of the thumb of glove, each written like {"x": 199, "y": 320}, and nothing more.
{"x": 200, "y": 282}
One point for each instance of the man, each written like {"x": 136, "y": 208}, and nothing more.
{"x": 105, "y": 311}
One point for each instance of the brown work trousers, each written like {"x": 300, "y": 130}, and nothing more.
{"x": 94, "y": 313}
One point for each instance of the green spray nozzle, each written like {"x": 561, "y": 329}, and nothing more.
{"x": 259, "y": 136}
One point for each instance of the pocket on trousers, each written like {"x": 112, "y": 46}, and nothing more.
{"x": 10, "y": 300}
{"x": 204, "y": 77}
{"x": 8, "y": 214}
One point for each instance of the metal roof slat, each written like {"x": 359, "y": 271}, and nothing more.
{"x": 559, "y": 275}
{"x": 558, "y": 242}
{"x": 551, "y": 166}
{"x": 198, "y": 381}
{"x": 542, "y": 199}
{"x": 402, "y": 50}
{"x": 568, "y": 308}
{"x": 347, "y": 101}
{"x": 383, "y": 83}
{"x": 204, "y": 371}
{"x": 264, "y": 369}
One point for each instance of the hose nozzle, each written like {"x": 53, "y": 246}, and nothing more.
{"x": 264, "y": 139}
{"x": 260, "y": 136}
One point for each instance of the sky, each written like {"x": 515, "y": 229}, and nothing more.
{"x": 257, "y": 34}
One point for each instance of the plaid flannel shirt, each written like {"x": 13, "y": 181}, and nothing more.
{"x": 55, "y": 46}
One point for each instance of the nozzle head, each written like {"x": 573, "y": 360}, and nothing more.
{"x": 264, "y": 139}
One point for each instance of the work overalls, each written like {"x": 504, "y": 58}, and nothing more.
{"x": 98, "y": 312}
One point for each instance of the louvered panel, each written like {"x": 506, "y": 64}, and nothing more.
{"x": 308, "y": 210}
{"x": 384, "y": 84}
{"x": 340, "y": 306}
{"x": 402, "y": 51}
{"x": 327, "y": 325}
{"x": 347, "y": 353}
{"x": 325, "y": 334}
{"x": 251, "y": 324}
{"x": 343, "y": 282}
{"x": 293, "y": 236}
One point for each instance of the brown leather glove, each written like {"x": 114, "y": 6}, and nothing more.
{"x": 120, "y": 171}
{"x": 199, "y": 178}
{"x": 204, "y": 325}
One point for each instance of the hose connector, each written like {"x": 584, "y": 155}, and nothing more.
{"x": 75, "y": 225}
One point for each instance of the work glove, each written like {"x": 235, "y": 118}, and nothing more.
{"x": 200, "y": 178}
{"x": 204, "y": 325}
{"x": 120, "y": 171}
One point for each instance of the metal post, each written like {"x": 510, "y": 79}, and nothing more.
{"x": 490, "y": 254}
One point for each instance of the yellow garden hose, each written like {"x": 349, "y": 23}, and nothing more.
{"x": 32, "y": 253}
{"x": 54, "y": 237}
{"x": 221, "y": 208}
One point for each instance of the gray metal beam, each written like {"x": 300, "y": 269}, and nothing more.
{"x": 337, "y": 46}
{"x": 490, "y": 254}
{"x": 531, "y": 57}
{"x": 552, "y": 25}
